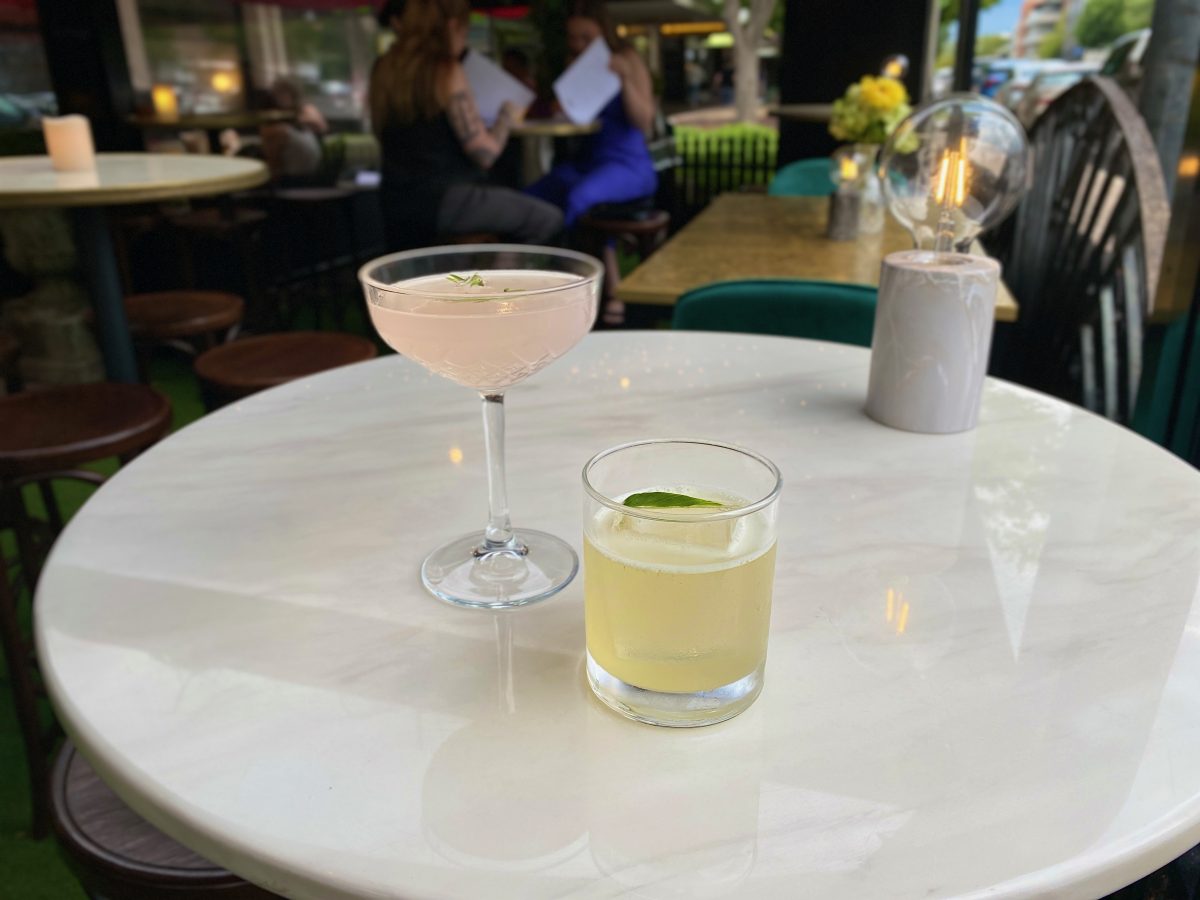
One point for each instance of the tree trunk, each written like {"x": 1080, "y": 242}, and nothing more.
{"x": 746, "y": 38}
{"x": 1169, "y": 69}
{"x": 745, "y": 81}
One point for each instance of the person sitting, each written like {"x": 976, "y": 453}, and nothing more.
{"x": 292, "y": 149}
{"x": 615, "y": 166}
{"x": 435, "y": 149}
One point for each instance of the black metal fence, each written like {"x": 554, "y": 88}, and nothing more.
{"x": 708, "y": 163}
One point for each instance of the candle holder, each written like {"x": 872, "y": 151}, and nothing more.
{"x": 951, "y": 170}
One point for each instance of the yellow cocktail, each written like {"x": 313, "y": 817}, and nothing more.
{"x": 678, "y": 598}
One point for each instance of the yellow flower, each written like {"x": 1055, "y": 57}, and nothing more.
{"x": 882, "y": 93}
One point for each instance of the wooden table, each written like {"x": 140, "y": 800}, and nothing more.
{"x": 983, "y": 677}
{"x": 757, "y": 236}
{"x": 120, "y": 178}
{"x": 212, "y": 123}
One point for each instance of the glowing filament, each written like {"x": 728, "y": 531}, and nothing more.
{"x": 951, "y": 186}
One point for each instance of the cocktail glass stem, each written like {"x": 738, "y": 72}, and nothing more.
{"x": 499, "y": 533}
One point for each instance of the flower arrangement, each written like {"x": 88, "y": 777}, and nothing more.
{"x": 869, "y": 110}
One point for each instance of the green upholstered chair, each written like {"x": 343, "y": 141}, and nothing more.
{"x": 824, "y": 310}
{"x": 803, "y": 178}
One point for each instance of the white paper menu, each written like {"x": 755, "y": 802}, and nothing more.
{"x": 588, "y": 84}
{"x": 493, "y": 87}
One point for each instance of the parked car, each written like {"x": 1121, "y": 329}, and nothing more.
{"x": 1046, "y": 86}
{"x": 1018, "y": 71}
{"x": 1125, "y": 58}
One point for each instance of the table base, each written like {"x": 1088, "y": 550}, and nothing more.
{"x": 95, "y": 246}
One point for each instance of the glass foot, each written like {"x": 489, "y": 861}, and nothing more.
{"x": 460, "y": 573}
{"x": 674, "y": 710}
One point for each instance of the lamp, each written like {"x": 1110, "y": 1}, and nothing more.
{"x": 894, "y": 66}
{"x": 951, "y": 170}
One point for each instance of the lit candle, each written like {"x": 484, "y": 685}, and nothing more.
{"x": 849, "y": 169}
{"x": 166, "y": 103}
{"x": 69, "y": 143}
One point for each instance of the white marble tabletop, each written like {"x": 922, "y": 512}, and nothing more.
{"x": 983, "y": 676}
{"x": 30, "y": 181}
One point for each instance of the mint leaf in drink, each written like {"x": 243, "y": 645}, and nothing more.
{"x": 666, "y": 500}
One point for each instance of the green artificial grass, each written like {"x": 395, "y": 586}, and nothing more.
{"x": 30, "y": 869}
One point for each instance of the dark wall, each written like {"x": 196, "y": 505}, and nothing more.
{"x": 827, "y": 44}
{"x": 86, "y": 59}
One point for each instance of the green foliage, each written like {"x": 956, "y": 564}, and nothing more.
{"x": 948, "y": 11}
{"x": 1051, "y": 46}
{"x": 1103, "y": 21}
{"x": 992, "y": 44}
{"x": 740, "y": 141}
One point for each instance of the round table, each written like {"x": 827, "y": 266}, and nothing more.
{"x": 983, "y": 676}
{"x": 120, "y": 178}
{"x": 537, "y": 142}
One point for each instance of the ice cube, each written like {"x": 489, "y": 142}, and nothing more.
{"x": 720, "y": 534}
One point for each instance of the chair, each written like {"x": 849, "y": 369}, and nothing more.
{"x": 315, "y": 237}
{"x": 118, "y": 855}
{"x": 822, "y": 310}
{"x": 803, "y": 178}
{"x": 1082, "y": 254}
{"x": 46, "y": 436}
{"x": 216, "y": 235}
{"x": 245, "y": 367}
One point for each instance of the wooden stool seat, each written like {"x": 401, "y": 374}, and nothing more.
{"x": 245, "y": 367}
{"x": 62, "y": 427}
{"x": 182, "y": 314}
{"x": 117, "y": 853}
{"x": 651, "y": 222}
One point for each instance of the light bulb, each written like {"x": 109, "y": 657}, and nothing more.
{"x": 895, "y": 66}
{"x": 953, "y": 169}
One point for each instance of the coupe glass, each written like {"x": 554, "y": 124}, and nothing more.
{"x": 488, "y": 316}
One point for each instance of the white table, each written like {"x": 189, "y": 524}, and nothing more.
{"x": 233, "y": 631}
{"x": 120, "y": 178}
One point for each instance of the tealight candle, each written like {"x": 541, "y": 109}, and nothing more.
{"x": 166, "y": 102}
{"x": 69, "y": 143}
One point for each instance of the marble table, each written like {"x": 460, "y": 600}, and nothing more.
{"x": 983, "y": 676}
{"x": 758, "y": 236}
{"x": 120, "y": 178}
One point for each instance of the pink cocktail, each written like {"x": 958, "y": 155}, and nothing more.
{"x": 488, "y": 317}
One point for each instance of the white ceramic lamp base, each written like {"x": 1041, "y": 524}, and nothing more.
{"x": 933, "y": 334}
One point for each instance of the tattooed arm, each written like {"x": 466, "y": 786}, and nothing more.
{"x": 481, "y": 144}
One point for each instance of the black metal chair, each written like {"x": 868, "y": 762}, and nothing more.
{"x": 1082, "y": 254}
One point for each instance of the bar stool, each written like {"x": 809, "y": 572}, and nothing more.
{"x": 245, "y": 367}
{"x": 233, "y": 232}
{"x": 318, "y": 240}
{"x": 118, "y": 855}
{"x": 637, "y": 225}
{"x": 183, "y": 319}
{"x": 46, "y": 436}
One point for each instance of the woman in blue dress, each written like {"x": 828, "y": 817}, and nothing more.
{"x": 615, "y": 166}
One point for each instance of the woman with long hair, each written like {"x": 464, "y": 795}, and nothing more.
{"x": 615, "y": 166}
{"x": 436, "y": 150}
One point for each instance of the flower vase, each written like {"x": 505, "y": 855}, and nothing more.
{"x": 871, "y": 210}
